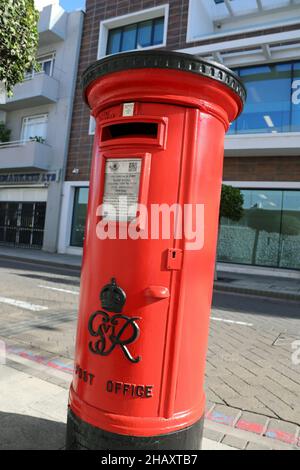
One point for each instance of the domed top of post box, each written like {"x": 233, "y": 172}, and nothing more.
{"x": 165, "y": 60}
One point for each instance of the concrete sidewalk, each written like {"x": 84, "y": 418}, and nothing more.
{"x": 33, "y": 407}
{"x": 33, "y": 412}
{"x": 257, "y": 284}
{"x": 41, "y": 257}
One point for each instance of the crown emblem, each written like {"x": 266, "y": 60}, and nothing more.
{"x": 112, "y": 297}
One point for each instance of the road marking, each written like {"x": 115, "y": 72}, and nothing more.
{"x": 21, "y": 304}
{"x": 60, "y": 290}
{"x": 48, "y": 361}
{"x": 231, "y": 321}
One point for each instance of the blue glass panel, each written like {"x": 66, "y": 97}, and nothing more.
{"x": 114, "y": 41}
{"x": 158, "y": 31}
{"x": 46, "y": 67}
{"x": 269, "y": 99}
{"x": 129, "y": 38}
{"x": 144, "y": 34}
{"x": 295, "y": 93}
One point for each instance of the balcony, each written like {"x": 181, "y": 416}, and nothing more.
{"x": 38, "y": 90}
{"x": 52, "y": 25}
{"x": 22, "y": 155}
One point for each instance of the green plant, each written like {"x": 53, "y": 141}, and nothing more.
{"x": 18, "y": 40}
{"x": 37, "y": 138}
{"x": 4, "y": 133}
{"x": 232, "y": 201}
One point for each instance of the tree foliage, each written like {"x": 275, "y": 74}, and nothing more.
{"x": 18, "y": 40}
{"x": 232, "y": 202}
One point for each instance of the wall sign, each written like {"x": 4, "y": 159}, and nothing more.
{"x": 28, "y": 178}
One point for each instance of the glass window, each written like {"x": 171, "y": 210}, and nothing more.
{"x": 295, "y": 115}
{"x": 46, "y": 66}
{"x": 268, "y": 234}
{"x": 129, "y": 38}
{"x": 144, "y": 34}
{"x": 79, "y": 216}
{"x": 114, "y": 41}
{"x": 92, "y": 125}
{"x": 267, "y": 107}
{"x": 34, "y": 127}
{"x": 290, "y": 230}
{"x": 136, "y": 36}
{"x": 158, "y": 30}
{"x": 47, "y": 63}
{"x": 273, "y": 103}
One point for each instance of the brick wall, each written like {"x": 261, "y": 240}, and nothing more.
{"x": 262, "y": 168}
{"x": 98, "y": 10}
{"x": 81, "y": 143}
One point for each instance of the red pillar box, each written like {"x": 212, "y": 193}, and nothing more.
{"x": 149, "y": 252}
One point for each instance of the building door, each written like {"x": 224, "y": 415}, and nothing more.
{"x": 22, "y": 223}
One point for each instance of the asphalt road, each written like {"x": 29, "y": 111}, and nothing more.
{"x": 49, "y": 302}
{"x": 249, "y": 363}
{"x": 38, "y": 305}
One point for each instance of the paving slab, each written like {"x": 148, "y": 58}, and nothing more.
{"x": 236, "y": 442}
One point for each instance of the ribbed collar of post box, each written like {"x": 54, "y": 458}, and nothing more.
{"x": 162, "y": 59}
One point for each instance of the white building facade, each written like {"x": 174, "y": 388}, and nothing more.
{"x": 38, "y": 115}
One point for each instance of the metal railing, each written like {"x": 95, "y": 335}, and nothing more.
{"x": 19, "y": 143}
{"x": 31, "y": 75}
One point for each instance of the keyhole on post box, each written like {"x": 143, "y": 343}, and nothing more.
{"x": 174, "y": 259}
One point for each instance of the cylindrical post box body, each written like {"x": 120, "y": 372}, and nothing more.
{"x": 149, "y": 252}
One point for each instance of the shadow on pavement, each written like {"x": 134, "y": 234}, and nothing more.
{"x": 58, "y": 280}
{"x": 20, "y": 265}
{"x": 22, "y": 432}
{"x": 280, "y": 308}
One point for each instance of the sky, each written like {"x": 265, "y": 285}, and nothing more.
{"x": 72, "y": 4}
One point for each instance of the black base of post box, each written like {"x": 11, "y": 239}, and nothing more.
{"x": 84, "y": 436}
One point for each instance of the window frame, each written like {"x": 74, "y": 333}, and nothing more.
{"x": 50, "y": 56}
{"x": 283, "y": 188}
{"x": 25, "y": 119}
{"x": 137, "y": 25}
{"x": 129, "y": 19}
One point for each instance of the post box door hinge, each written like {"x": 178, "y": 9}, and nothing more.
{"x": 174, "y": 259}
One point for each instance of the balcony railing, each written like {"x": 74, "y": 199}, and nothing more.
{"x": 25, "y": 154}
